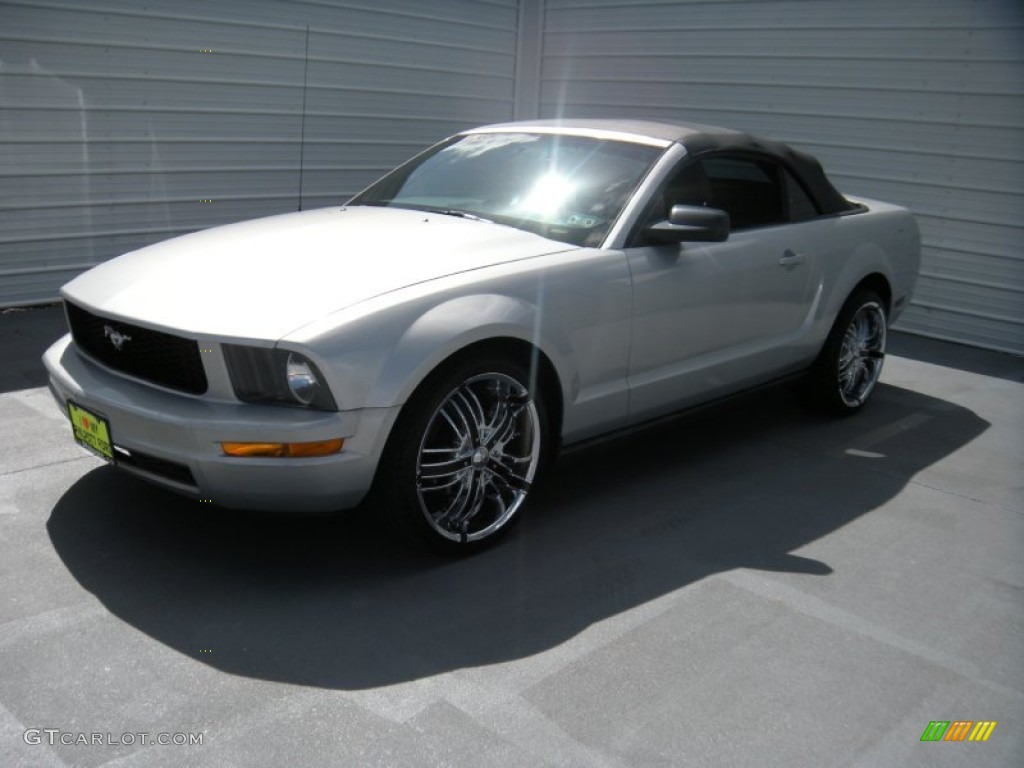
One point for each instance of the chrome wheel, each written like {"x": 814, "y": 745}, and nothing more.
{"x": 861, "y": 354}
{"x": 478, "y": 457}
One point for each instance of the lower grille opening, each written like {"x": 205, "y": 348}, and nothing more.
{"x": 171, "y": 470}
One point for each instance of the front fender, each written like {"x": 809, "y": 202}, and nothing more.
{"x": 575, "y": 308}
{"x": 457, "y": 323}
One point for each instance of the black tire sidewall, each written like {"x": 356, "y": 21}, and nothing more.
{"x": 822, "y": 384}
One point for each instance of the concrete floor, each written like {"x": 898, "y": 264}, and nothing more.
{"x": 757, "y": 587}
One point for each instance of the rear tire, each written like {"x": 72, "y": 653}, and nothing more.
{"x": 464, "y": 454}
{"x": 847, "y": 369}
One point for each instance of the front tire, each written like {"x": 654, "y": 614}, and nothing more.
{"x": 845, "y": 373}
{"x": 465, "y": 454}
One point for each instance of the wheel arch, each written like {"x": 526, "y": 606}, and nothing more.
{"x": 543, "y": 374}
{"x": 879, "y": 284}
{"x": 468, "y": 326}
{"x": 823, "y": 387}
{"x": 874, "y": 281}
{"x": 535, "y": 360}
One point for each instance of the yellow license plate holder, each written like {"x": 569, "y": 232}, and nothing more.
{"x": 91, "y": 431}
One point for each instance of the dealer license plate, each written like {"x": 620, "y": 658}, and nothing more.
{"x": 91, "y": 431}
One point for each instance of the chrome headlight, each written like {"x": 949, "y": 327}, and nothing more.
{"x": 263, "y": 375}
{"x": 302, "y": 381}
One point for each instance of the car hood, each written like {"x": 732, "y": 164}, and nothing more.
{"x": 267, "y": 277}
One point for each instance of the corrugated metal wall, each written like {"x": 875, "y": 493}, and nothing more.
{"x": 116, "y": 124}
{"x": 123, "y": 123}
{"x": 919, "y": 102}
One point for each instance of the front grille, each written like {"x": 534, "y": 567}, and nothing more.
{"x": 179, "y": 473}
{"x": 161, "y": 358}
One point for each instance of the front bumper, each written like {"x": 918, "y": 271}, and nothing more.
{"x": 171, "y": 432}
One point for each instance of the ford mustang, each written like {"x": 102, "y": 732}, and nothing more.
{"x": 425, "y": 348}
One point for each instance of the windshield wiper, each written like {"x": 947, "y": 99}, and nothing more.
{"x": 460, "y": 214}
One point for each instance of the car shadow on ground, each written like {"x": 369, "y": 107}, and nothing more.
{"x": 335, "y": 602}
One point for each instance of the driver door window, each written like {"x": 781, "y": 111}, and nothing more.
{"x": 747, "y": 189}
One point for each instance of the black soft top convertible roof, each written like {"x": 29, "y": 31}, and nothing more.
{"x": 699, "y": 139}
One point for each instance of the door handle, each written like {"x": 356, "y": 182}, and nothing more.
{"x": 791, "y": 259}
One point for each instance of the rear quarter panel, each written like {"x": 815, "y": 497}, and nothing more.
{"x": 894, "y": 230}
{"x": 883, "y": 239}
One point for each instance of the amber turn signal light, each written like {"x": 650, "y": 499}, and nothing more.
{"x": 285, "y": 450}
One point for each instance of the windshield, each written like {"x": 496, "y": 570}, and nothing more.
{"x": 567, "y": 188}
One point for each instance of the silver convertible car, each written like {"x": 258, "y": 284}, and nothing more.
{"x": 427, "y": 346}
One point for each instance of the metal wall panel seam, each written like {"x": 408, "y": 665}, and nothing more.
{"x": 416, "y": 67}
{"x": 49, "y": 236}
{"x": 925, "y": 151}
{"x": 34, "y": 6}
{"x": 244, "y": 23}
{"x": 810, "y": 84}
{"x": 144, "y": 201}
{"x": 262, "y": 54}
{"x": 529, "y": 60}
{"x": 574, "y": 28}
{"x": 1015, "y": 320}
{"x": 771, "y": 56}
{"x": 775, "y": 112}
{"x": 147, "y": 47}
{"x": 52, "y": 298}
{"x": 44, "y": 268}
{"x": 227, "y": 111}
{"x": 404, "y": 15}
{"x": 250, "y": 53}
{"x": 197, "y": 169}
{"x": 419, "y": 41}
{"x": 945, "y": 245}
{"x": 924, "y": 210}
{"x": 204, "y": 140}
{"x": 1009, "y": 287}
{"x": 217, "y": 81}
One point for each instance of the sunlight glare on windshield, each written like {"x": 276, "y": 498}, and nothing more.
{"x": 548, "y": 194}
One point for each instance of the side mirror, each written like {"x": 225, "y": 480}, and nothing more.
{"x": 690, "y": 223}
